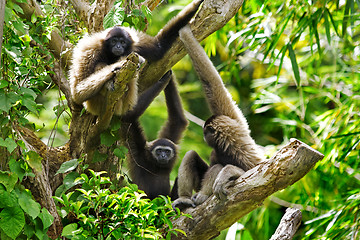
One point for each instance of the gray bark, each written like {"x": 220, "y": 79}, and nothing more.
{"x": 288, "y": 226}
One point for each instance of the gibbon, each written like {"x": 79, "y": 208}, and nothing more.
{"x": 227, "y": 132}
{"x": 150, "y": 163}
{"x": 97, "y": 59}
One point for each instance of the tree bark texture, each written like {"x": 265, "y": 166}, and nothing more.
{"x": 289, "y": 165}
{"x": 288, "y": 226}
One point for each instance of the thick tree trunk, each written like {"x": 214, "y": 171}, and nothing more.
{"x": 289, "y": 165}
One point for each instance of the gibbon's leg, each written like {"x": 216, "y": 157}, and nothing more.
{"x": 218, "y": 97}
{"x": 191, "y": 171}
{"x": 225, "y": 179}
{"x": 207, "y": 184}
{"x": 177, "y": 122}
{"x": 92, "y": 85}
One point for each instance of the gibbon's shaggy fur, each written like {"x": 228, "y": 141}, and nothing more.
{"x": 98, "y": 57}
{"x": 227, "y": 132}
{"x": 150, "y": 163}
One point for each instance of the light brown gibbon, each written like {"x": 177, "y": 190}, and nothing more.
{"x": 227, "y": 132}
{"x": 97, "y": 59}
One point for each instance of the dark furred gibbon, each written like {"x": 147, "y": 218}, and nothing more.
{"x": 150, "y": 163}
{"x": 227, "y": 132}
{"x": 97, "y": 59}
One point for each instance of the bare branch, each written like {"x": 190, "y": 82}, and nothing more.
{"x": 289, "y": 165}
{"x": 288, "y": 225}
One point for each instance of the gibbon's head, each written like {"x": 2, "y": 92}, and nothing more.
{"x": 118, "y": 42}
{"x": 163, "y": 151}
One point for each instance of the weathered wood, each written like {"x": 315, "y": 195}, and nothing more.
{"x": 288, "y": 225}
{"x": 289, "y": 165}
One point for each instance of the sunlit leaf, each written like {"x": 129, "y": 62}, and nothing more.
{"x": 68, "y": 166}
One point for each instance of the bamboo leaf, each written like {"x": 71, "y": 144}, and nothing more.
{"x": 294, "y": 65}
{"x": 327, "y": 26}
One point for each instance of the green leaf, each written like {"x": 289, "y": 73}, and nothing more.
{"x": 19, "y": 26}
{"x": 98, "y": 157}
{"x": 68, "y": 230}
{"x": 115, "y": 16}
{"x": 29, "y": 102}
{"x": 68, "y": 166}
{"x": 9, "y": 143}
{"x": 68, "y": 182}
{"x": 8, "y": 180}
{"x": 294, "y": 65}
{"x": 345, "y": 21}
{"x": 28, "y": 92}
{"x": 46, "y": 218}
{"x": 5, "y": 101}
{"x": 108, "y": 139}
{"x": 327, "y": 26}
{"x": 4, "y": 83}
{"x": 34, "y": 160}
{"x": 33, "y": 18}
{"x": 15, "y": 167}
{"x": 12, "y": 221}
{"x": 7, "y": 199}
{"x": 121, "y": 152}
{"x": 28, "y": 204}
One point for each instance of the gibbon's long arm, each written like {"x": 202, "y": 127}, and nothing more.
{"x": 176, "y": 123}
{"x": 90, "y": 86}
{"x": 155, "y": 48}
{"x": 146, "y": 98}
{"x": 134, "y": 131}
{"x": 219, "y": 99}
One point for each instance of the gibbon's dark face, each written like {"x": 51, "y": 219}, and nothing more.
{"x": 118, "y": 42}
{"x": 164, "y": 152}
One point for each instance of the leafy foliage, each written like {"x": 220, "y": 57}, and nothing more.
{"x": 21, "y": 217}
{"x": 94, "y": 212}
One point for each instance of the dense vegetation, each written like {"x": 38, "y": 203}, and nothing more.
{"x": 293, "y": 67}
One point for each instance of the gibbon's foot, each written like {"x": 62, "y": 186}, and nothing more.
{"x": 225, "y": 180}
{"x": 183, "y": 203}
{"x": 199, "y": 198}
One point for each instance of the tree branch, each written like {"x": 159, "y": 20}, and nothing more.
{"x": 288, "y": 225}
{"x": 289, "y": 165}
